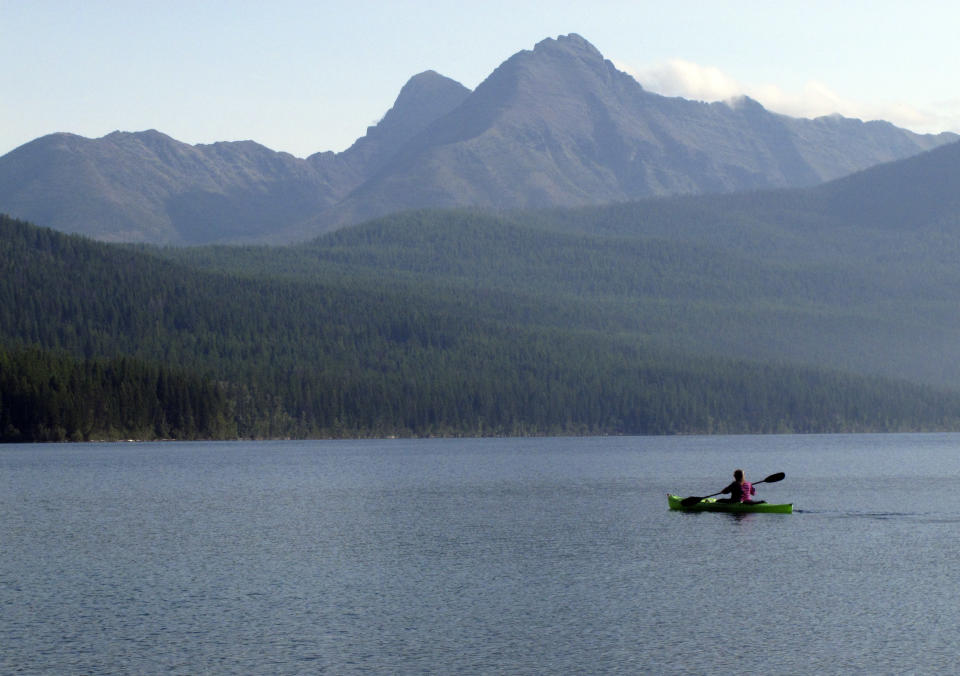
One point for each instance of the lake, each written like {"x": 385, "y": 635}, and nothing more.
{"x": 479, "y": 556}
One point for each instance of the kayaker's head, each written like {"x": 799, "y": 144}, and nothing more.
{"x": 738, "y": 474}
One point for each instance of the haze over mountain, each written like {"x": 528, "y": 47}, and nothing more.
{"x": 858, "y": 274}
{"x": 554, "y": 126}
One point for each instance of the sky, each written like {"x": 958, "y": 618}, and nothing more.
{"x": 304, "y": 76}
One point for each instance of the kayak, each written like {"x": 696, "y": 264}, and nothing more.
{"x": 711, "y": 505}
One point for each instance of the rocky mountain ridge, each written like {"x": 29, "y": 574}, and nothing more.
{"x": 557, "y": 125}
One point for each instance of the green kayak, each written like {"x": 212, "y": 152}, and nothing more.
{"x": 711, "y": 505}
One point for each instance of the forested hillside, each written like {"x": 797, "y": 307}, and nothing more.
{"x": 53, "y": 397}
{"x": 760, "y": 276}
{"x": 512, "y": 330}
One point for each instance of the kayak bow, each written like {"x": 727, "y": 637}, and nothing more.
{"x": 711, "y": 505}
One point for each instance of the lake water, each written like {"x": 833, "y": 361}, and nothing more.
{"x": 502, "y": 556}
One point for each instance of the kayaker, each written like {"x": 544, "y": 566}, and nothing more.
{"x": 740, "y": 490}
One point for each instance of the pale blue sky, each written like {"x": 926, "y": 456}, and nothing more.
{"x": 304, "y": 76}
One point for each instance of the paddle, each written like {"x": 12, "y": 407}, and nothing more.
{"x": 692, "y": 500}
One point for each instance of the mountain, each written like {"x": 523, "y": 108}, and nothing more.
{"x": 148, "y": 187}
{"x": 908, "y": 208}
{"x": 858, "y": 274}
{"x": 920, "y": 192}
{"x": 554, "y": 126}
{"x": 560, "y": 125}
{"x": 829, "y": 308}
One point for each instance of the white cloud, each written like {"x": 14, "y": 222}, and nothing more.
{"x": 677, "y": 77}
{"x": 684, "y": 78}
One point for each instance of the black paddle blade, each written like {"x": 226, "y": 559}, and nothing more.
{"x": 773, "y": 478}
{"x": 691, "y": 501}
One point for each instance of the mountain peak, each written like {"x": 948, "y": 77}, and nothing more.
{"x": 427, "y": 78}
{"x": 564, "y": 67}
{"x": 425, "y": 98}
{"x": 425, "y": 90}
{"x": 571, "y": 43}
{"x": 745, "y": 104}
{"x": 563, "y": 50}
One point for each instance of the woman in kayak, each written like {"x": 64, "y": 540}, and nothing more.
{"x": 740, "y": 490}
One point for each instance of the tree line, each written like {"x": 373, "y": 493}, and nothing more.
{"x": 271, "y": 343}
{"x": 54, "y": 397}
